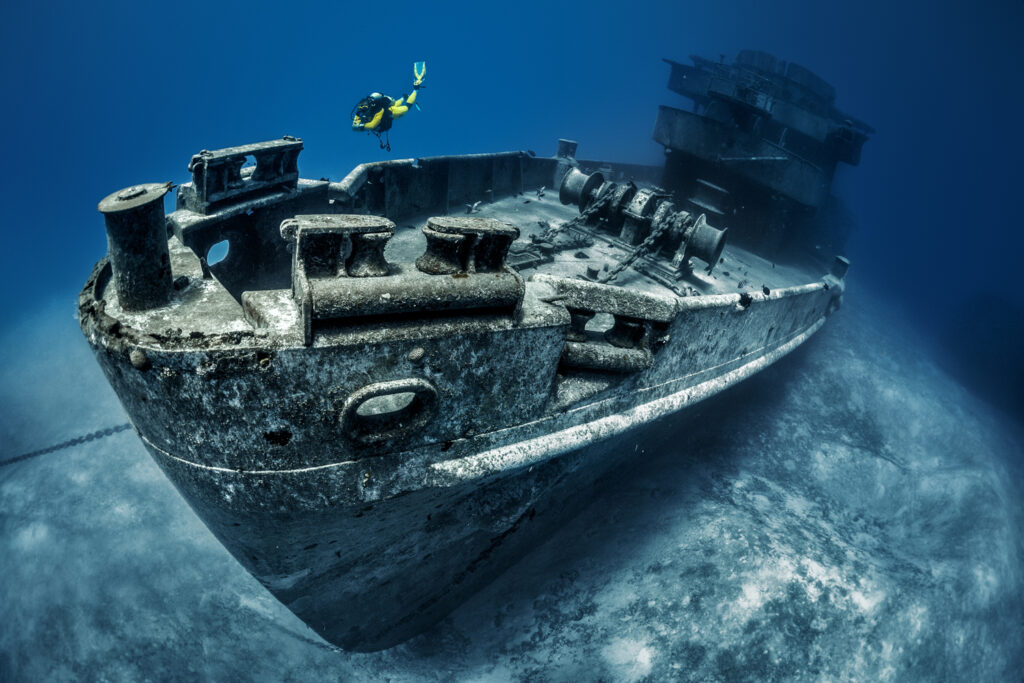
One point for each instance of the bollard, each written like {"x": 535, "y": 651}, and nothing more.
{"x": 340, "y": 245}
{"x": 137, "y": 245}
{"x": 458, "y": 244}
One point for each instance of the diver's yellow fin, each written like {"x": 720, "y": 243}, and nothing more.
{"x": 419, "y": 70}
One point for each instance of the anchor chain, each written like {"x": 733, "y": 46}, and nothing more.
{"x": 85, "y": 438}
{"x": 640, "y": 250}
{"x": 585, "y": 215}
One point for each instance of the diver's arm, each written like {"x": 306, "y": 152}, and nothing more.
{"x": 371, "y": 124}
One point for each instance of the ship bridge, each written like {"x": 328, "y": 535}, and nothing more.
{"x": 760, "y": 127}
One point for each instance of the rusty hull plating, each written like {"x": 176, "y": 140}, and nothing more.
{"x": 376, "y": 405}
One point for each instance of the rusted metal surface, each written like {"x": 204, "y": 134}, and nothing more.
{"x": 644, "y": 219}
{"x": 465, "y": 245}
{"x": 137, "y": 245}
{"x": 219, "y": 175}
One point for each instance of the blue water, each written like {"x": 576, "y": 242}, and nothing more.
{"x": 100, "y": 96}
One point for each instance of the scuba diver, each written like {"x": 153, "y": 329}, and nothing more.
{"x": 376, "y": 112}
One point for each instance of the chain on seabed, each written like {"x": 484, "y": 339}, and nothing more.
{"x": 85, "y": 438}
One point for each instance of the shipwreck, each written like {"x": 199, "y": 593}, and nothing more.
{"x": 393, "y": 386}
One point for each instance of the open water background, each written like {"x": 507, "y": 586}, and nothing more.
{"x": 107, "y": 574}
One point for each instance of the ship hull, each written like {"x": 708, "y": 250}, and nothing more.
{"x": 377, "y": 421}
{"x": 368, "y": 572}
{"x": 371, "y": 576}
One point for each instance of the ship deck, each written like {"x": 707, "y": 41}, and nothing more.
{"x": 210, "y": 310}
{"x": 739, "y": 270}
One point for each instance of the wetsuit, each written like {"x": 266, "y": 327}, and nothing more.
{"x": 377, "y": 113}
